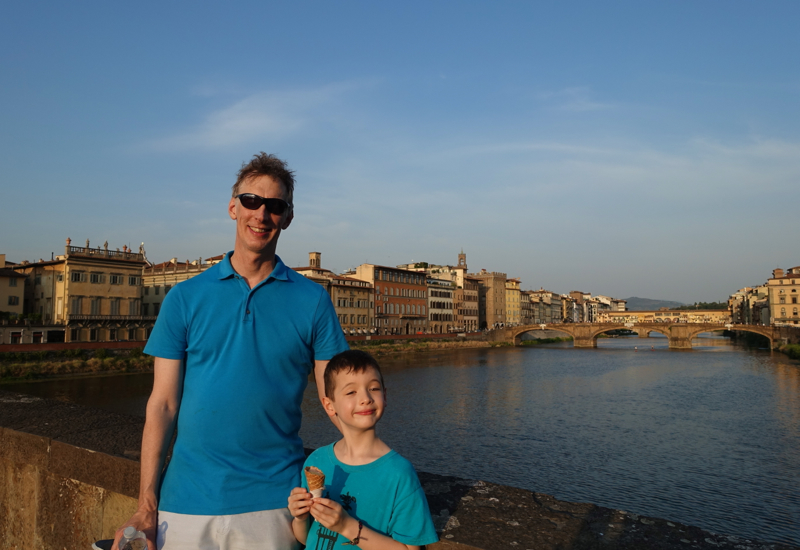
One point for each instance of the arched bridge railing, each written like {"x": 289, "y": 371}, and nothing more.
{"x": 680, "y": 335}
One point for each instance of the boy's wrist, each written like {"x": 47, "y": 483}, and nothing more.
{"x": 351, "y": 530}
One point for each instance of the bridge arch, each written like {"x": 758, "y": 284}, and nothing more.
{"x": 519, "y": 331}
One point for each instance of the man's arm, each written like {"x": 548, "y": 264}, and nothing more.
{"x": 319, "y": 377}
{"x": 162, "y": 410}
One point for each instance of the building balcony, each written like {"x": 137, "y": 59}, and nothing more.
{"x": 81, "y": 317}
{"x": 104, "y": 253}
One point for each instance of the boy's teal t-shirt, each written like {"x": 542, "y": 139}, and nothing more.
{"x": 385, "y": 495}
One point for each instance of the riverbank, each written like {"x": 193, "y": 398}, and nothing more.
{"x": 42, "y": 365}
{"x": 64, "y": 462}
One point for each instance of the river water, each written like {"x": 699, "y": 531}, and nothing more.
{"x": 709, "y": 437}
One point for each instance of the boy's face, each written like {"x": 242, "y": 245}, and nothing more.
{"x": 358, "y": 399}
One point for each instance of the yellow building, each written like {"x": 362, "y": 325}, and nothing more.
{"x": 157, "y": 280}
{"x": 513, "y": 302}
{"x": 783, "y": 290}
{"x": 12, "y": 291}
{"x": 87, "y": 294}
{"x": 352, "y": 298}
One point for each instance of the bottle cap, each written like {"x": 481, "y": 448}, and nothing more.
{"x": 129, "y": 532}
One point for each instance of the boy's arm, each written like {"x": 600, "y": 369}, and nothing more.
{"x": 299, "y": 504}
{"x": 331, "y": 515}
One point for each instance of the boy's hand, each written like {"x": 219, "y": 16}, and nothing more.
{"x": 300, "y": 501}
{"x": 332, "y": 516}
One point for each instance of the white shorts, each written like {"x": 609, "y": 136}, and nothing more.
{"x": 266, "y": 530}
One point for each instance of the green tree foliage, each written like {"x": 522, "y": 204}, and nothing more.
{"x": 703, "y": 305}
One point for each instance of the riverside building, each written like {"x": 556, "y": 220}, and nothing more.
{"x": 85, "y": 295}
{"x": 353, "y": 298}
{"x": 401, "y": 301}
{"x": 784, "y": 291}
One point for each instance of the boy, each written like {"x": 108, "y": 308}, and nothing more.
{"x": 372, "y": 499}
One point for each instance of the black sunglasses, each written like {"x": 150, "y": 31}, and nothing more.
{"x": 254, "y": 202}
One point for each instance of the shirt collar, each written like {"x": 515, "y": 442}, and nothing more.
{"x": 280, "y": 271}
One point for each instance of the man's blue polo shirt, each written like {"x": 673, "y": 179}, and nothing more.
{"x": 248, "y": 355}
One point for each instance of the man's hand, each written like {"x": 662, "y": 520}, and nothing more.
{"x": 145, "y": 521}
{"x": 300, "y": 502}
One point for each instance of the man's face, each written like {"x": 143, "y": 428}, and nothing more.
{"x": 257, "y": 231}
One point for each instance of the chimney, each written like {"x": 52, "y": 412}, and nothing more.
{"x": 777, "y": 273}
{"x": 2, "y": 261}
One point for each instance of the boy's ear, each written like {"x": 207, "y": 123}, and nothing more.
{"x": 327, "y": 404}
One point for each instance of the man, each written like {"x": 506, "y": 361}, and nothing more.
{"x": 233, "y": 348}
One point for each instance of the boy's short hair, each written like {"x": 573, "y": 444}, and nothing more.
{"x": 352, "y": 360}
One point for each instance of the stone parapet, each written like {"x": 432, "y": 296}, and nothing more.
{"x": 69, "y": 476}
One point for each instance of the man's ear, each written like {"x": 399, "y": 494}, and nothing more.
{"x": 232, "y": 208}
{"x": 327, "y": 404}
{"x": 288, "y": 220}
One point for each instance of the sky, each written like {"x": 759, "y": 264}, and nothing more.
{"x": 637, "y": 148}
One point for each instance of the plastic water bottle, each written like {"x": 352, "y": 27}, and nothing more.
{"x": 132, "y": 539}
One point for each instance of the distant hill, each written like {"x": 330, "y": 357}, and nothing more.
{"x": 646, "y": 304}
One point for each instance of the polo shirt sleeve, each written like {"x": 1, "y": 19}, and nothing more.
{"x": 168, "y": 338}
{"x": 328, "y": 336}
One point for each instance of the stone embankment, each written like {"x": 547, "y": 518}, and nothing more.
{"x": 70, "y": 477}
{"x": 22, "y": 365}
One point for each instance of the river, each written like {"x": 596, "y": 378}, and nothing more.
{"x": 709, "y": 437}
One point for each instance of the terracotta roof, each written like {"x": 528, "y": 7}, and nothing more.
{"x": 6, "y": 272}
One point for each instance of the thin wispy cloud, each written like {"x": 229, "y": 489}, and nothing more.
{"x": 576, "y": 99}
{"x": 265, "y": 115}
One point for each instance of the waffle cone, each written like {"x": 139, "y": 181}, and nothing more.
{"x": 315, "y": 479}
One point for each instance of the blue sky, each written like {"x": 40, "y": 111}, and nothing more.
{"x": 644, "y": 149}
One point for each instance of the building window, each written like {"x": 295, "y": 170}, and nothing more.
{"x": 114, "y": 310}
{"x": 12, "y": 281}
{"x": 147, "y": 291}
{"x": 13, "y": 300}
{"x": 93, "y": 333}
{"x": 116, "y": 279}
{"x": 16, "y": 337}
{"x": 97, "y": 304}
{"x": 794, "y": 311}
{"x": 157, "y": 290}
{"x": 131, "y": 334}
{"x": 156, "y": 307}
{"x": 97, "y": 278}
{"x": 112, "y": 334}
{"x": 145, "y": 309}
{"x": 134, "y": 281}
{"x": 166, "y": 289}
{"x": 78, "y": 277}
{"x": 60, "y": 277}
{"x": 75, "y": 335}
{"x": 133, "y": 307}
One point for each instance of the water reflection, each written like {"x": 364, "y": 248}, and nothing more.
{"x": 708, "y": 437}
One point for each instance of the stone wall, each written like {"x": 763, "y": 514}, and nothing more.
{"x": 54, "y": 495}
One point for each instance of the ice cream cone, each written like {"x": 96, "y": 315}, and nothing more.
{"x": 316, "y": 480}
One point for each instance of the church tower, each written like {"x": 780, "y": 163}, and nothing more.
{"x": 462, "y": 260}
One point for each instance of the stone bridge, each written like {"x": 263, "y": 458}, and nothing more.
{"x": 680, "y": 335}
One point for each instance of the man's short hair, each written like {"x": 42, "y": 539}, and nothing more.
{"x": 352, "y": 360}
{"x": 266, "y": 165}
